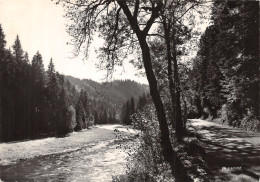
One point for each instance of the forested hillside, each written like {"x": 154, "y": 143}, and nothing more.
{"x": 224, "y": 80}
{"x": 110, "y": 97}
{"x": 115, "y": 92}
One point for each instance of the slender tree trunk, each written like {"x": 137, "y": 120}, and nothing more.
{"x": 178, "y": 116}
{"x": 170, "y": 73}
{"x": 185, "y": 111}
{"x": 174, "y": 86}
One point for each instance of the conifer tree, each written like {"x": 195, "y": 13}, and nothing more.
{"x": 20, "y": 97}
{"x": 2, "y": 65}
{"x": 80, "y": 112}
{"x": 132, "y": 106}
{"x": 37, "y": 109}
{"x": 96, "y": 117}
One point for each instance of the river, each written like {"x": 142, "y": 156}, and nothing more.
{"x": 97, "y": 159}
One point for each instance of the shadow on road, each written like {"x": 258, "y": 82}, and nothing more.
{"x": 230, "y": 153}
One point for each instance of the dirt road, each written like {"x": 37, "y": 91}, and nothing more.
{"x": 231, "y": 154}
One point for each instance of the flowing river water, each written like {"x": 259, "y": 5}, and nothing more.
{"x": 98, "y": 159}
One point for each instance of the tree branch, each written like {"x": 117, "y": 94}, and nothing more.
{"x": 195, "y": 4}
{"x": 136, "y": 10}
{"x": 115, "y": 29}
{"x": 129, "y": 16}
{"x": 155, "y": 11}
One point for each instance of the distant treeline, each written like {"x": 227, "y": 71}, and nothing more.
{"x": 129, "y": 108}
{"x": 37, "y": 103}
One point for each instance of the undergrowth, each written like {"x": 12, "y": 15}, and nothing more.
{"x": 145, "y": 161}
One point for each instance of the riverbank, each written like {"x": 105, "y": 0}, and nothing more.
{"x": 14, "y": 151}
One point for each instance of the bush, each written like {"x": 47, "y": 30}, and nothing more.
{"x": 250, "y": 122}
{"x": 145, "y": 161}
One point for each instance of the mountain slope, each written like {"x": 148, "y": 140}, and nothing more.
{"x": 115, "y": 92}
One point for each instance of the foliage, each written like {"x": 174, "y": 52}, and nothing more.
{"x": 225, "y": 75}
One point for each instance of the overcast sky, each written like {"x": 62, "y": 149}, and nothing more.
{"x": 41, "y": 27}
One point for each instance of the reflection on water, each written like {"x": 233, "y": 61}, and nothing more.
{"x": 95, "y": 162}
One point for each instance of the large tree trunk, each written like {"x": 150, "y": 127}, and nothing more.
{"x": 258, "y": 69}
{"x": 167, "y": 150}
{"x": 166, "y": 144}
{"x": 1, "y": 119}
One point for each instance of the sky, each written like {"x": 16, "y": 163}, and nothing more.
{"x": 41, "y": 27}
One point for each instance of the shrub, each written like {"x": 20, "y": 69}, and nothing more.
{"x": 145, "y": 161}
